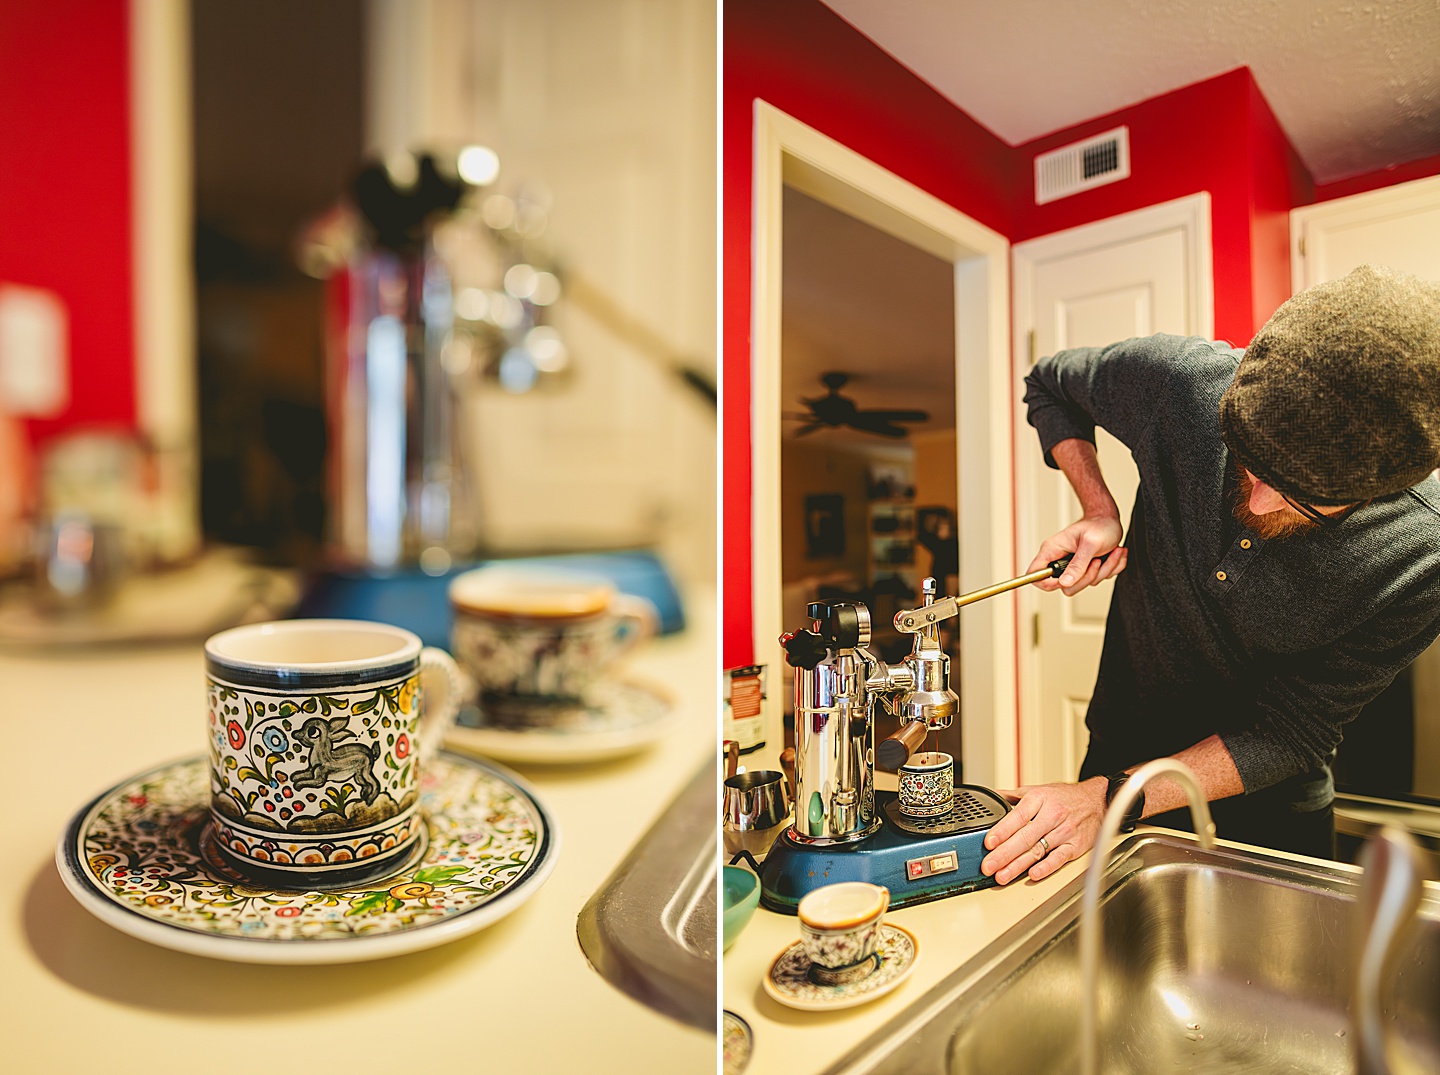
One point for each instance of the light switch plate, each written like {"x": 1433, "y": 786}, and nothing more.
{"x": 34, "y": 351}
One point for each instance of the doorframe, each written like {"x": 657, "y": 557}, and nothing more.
{"x": 165, "y": 371}
{"x": 790, "y": 153}
{"x": 1191, "y": 216}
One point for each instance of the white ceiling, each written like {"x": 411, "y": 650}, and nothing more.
{"x": 1354, "y": 83}
{"x": 859, "y": 301}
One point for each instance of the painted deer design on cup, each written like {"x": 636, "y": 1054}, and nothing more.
{"x": 330, "y": 762}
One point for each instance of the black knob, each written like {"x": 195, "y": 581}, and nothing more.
{"x": 804, "y": 649}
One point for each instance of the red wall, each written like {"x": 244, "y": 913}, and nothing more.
{"x": 65, "y": 188}
{"x": 803, "y": 58}
{"x": 1279, "y": 181}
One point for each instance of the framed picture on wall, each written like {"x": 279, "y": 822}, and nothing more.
{"x": 824, "y": 525}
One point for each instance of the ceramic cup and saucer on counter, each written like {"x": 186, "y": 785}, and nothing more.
{"x": 324, "y": 825}
{"x": 543, "y": 649}
{"x": 847, "y": 953}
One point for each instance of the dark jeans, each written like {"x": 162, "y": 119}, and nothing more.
{"x": 1296, "y": 815}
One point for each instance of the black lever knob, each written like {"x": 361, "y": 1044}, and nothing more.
{"x": 804, "y": 649}
{"x": 1057, "y": 567}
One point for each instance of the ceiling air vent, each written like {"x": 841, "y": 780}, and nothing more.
{"x": 1082, "y": 165}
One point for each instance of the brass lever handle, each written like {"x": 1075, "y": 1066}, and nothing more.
{"x": 913, "y": 620}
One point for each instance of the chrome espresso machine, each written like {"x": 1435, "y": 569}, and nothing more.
{"x": 844, "y": 830}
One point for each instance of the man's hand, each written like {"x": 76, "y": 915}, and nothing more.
{"x": 1098, "y": 531}
{"x": 1089, "y": 539}
{"x": 1067, "y": 816}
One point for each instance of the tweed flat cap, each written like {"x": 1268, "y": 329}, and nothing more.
{"x": 1337, "y": 398}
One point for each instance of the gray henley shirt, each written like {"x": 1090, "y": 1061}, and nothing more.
{"x": 1273, "y": 645}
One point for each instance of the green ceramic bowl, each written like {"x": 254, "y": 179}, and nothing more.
{"x": 742, "y": 896}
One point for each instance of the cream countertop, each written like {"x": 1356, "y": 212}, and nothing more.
{"x": 78, "y": 996}
{"x": 948, "y": 932}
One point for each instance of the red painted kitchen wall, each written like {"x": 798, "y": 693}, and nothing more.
{"x": 803, "y": 58}
{"x": 65, "y": 192}
{"x": 1279, "y": 181}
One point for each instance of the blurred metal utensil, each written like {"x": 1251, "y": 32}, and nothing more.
{"x": 79, "y": 562}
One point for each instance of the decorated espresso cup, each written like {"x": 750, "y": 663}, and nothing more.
{"x": 840, "y": 929}
{"x": 540, "y": 633}
{"x": 927, "y": 784}
{"x": 319, "y": 730}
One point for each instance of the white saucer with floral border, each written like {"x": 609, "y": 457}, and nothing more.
{"x": 737, "y": 1043}
{"x": 614, "y": 718}
{"x": 788, "y": 979}
{"x": 138, "y": 858}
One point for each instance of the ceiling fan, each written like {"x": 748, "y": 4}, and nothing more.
{"x": 833, "y": 411}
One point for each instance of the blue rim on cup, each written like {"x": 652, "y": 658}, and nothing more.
{"x": 319, "y": 730}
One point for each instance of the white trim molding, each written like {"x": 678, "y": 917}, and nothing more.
{"x": 164, "y": 282}
{"x": 789, "y": 153}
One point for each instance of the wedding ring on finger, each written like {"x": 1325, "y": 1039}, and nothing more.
{"x": 1044, "y": 846}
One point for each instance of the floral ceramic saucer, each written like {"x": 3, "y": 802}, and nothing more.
{"x": 615, "y": 717}
{"x": 737, "y": 1042}
{"x": 788, "y": 980}
{"x": 138, "y": 859}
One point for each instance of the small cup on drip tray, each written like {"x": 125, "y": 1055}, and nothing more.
{"x": 927, "y": 784}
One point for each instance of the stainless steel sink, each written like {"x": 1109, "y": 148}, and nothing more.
{"x": 1213, "y": 961}
{"x": 651, "y": 929}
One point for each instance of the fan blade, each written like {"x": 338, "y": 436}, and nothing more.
{"x": 898, "y": 416}
{"x": 867, "y": 423}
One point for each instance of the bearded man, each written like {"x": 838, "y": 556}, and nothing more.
{"x": 1282, "y": 563}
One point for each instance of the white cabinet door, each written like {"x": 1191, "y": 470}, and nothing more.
{"x": 1142, "y": 273}
{"x": 1398, "y": 227}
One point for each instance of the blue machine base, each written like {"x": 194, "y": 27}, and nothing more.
{"x": 419, "y": 602}
{"x": 792, "y": 870}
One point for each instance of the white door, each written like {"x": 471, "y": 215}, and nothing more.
{"x": 1398, "y": 227}
{"x": 1134, "y": 275}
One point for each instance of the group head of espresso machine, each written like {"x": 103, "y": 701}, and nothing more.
{"x": 844, "y": 829}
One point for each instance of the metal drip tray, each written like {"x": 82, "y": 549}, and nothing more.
{"x": 651, "y": 929}
{"x": 974, "y": 808}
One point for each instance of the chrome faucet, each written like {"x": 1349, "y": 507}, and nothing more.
{"x": 1090, "y": 902}
{"x": 1390, "y": 892}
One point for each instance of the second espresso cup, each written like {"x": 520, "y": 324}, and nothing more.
{"x": 319, "y": 731}
{"x": 840, "y": 929}
{"x": 539, "y": 633}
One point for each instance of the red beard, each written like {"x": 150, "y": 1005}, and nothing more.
{"x": 1273, "y": 525}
